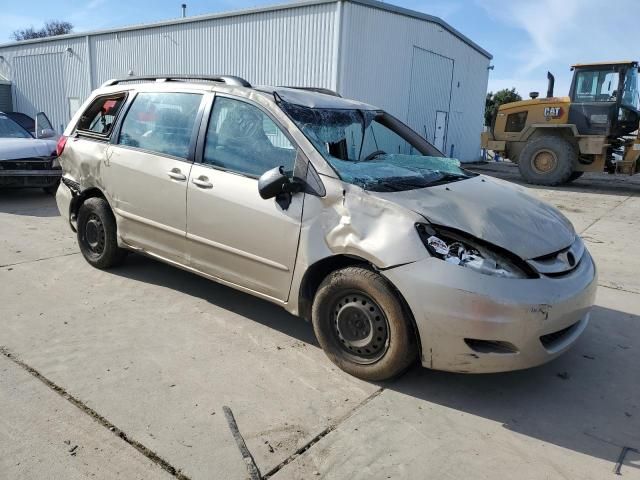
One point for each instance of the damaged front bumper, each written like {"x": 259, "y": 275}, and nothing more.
{"x": 29, "y": 172}
{"x": 474, "y": 323}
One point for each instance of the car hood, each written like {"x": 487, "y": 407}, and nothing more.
{"x": 493, "y": 210}
{"x": 15, "y": 148}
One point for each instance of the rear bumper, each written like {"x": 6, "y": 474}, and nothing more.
{"x": 476, "y": 323}
{"x": 30, "y": 178}
{"x": 63, "y": 200}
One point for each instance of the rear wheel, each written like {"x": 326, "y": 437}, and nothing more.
{"x": 548, "y": 160}
{"x": 97, "y": 234}
{"x": 362, "y": 326}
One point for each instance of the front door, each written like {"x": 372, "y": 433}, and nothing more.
{"x": 147, "y": 169}
{"x": 232, "y": 233}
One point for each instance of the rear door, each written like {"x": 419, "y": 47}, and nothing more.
{"x": 147, "y": 167}
{"x": 232, "y": 233}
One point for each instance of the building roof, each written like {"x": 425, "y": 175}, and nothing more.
{"x": 283, "y": 6}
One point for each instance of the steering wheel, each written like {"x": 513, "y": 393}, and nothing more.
{"x": 373, "y": 155}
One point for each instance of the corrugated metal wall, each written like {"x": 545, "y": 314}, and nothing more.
{"x": 363, "y": 52}
{"x": 45, "y": 75}
{"x": 289, "y": 46}
{"x": 375, "y": 66}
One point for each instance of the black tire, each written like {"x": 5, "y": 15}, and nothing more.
{"x": 362, "y": 325}
{"x": 575, "y": 176}
{"x": 547, "y": 160}
{"x": 97, "y": 234}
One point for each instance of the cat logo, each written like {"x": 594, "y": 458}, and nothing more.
{"x": 552, "y": 112}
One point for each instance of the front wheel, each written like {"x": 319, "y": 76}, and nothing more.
{"x": 97, "y": 234}
{"x": 362, "y": 326}
{"x": 548, "y": 160}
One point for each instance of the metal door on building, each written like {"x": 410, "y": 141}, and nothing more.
{"x": 30, "y": 95}
{"x": 430, "y": 96}
{"x": 440, "y": 130}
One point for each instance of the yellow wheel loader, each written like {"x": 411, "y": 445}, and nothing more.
{"x": 554, "y": 140}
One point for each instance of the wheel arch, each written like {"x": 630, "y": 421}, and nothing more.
{"x": 79, "y": 198}
{"x": 319, "y": 270}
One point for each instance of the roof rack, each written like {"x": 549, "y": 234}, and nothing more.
{"x": 326, "y": 91}
{"x": 226, "y": 79}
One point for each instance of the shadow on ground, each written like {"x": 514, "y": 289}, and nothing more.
{"x": 33, "y": 202}
{"x": 143, "y": 269}
{"x": 586, "y": 401}
{"x": 619, "y": 185}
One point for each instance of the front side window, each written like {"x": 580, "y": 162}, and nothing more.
{"x": 367, "y": 148}
{"x": 101, "y": 115}
{"x": 10, "y": 129}
{"x": 596, "y": 86}
{"x": 242, "y": 138}
{"x": 161, "y": 122}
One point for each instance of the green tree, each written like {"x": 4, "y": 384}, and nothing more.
{"x": 50, "y": 29}
{"x": 494, "y": 100}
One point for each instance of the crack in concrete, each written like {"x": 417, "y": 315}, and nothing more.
{"x": 321, "y": 435}
{"x": 619, "y": 289}
{"x": 605, "y": 214}
{"x": 39, "y": 259}
{"x": 150, "y": 454}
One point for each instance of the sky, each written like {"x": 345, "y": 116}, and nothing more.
{"x": 525, "y": 37}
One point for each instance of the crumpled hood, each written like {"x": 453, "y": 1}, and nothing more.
{"x": 493, "y": 210}
{"x": 15, "y": 148}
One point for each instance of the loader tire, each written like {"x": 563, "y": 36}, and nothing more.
{"x": 548, "y": 160}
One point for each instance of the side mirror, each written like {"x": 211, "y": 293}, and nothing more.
{"x": 43, "y": 126}
{"x": 46, "y": 133}
{"x": 276, "y": 184}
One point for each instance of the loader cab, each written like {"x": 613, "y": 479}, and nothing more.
{"x": 605, "y": 99}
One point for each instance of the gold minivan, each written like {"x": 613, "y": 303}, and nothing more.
{"x": 333, "y": 209}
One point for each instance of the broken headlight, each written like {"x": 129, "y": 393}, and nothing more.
{"x": 462, "y": 250}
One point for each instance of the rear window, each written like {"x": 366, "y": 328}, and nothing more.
{"x": 101, "y": 115}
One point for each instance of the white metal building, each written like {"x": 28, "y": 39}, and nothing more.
{"x": 413, "y": 65}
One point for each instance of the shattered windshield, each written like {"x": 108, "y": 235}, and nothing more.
{"x": 366, "y": 148}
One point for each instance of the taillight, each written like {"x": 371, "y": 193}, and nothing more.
{"x": 62, "y": 141}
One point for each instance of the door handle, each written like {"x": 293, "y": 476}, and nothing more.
{"x": 202, "y": 182}
{"x": 176, "y": 174}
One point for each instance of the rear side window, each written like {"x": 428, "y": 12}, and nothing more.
{"x": 101, "y": 115}
{"x": 161, "y": 122}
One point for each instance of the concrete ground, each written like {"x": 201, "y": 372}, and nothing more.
{"x": 124, "y": 374}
